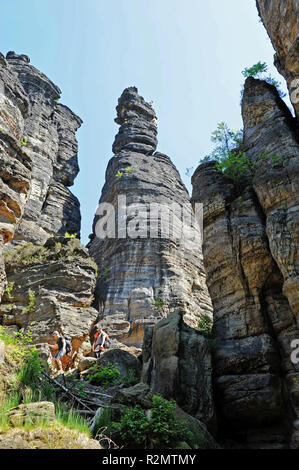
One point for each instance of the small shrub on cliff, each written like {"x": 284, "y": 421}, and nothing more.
{"x": 205, "y": 324}
{"x": 103, "y": 375}
{"x": 24, "y": 141}
{"x": 159, "y": 429}
{"x": 119, "y": 174}
{"x": 257, "y": 71}
{"x": 159, "y": 303}
{"x": 70, "y": 235}
{"x": 9, "y": 289}
{"x": 231, "y": 161}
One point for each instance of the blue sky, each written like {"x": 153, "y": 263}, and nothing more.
{"x": 184, "y": 55}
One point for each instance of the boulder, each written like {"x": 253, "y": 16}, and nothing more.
{"x": 124, "y": 361}
{"x": 177, "y": 364}
{"x": 32, "y": 413}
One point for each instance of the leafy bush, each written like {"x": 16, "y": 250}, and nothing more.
{"x": 234, "y": 166}
{"x": 103, "y": 375}
{"x": 119, "y": 174}
{"x": 133, "y": 427}
{"x": 31, "y": 369}
{"x": 24, "y": 141}
{"x": 32, "y": 301}
{"x": 257, "y": 71}
{"x": 70, "y": 235}
{"x": 158, "y": 303}
{"x": 231, "y": 161}
{"x": 205, "y": 324}
{"x": 160, "y": 429}
{"x": 9, "y": 289}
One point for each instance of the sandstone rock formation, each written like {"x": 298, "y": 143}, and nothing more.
{"x": 51, "y": 288}
{"x": 49, "y": 137}
{"x": 15, "y": 163}
{"x": 281, "y": 20}
{"x": 144, "y": 272}
{"x": 177, "y": 364}
{"x": 251, "y": 260}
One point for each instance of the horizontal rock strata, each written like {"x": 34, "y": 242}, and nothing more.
{"x": 145, "y": 272}
{"x": 251, "y": 260}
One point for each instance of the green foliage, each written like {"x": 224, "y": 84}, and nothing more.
{"x": 32, "y": 301}
{"x": 225, "y": 140}
{"x": 257, "y": 71}
{"x": 133, "y": 427}
{"x": 204, "y": 326}
{"x": 128, "y": 170}
{"x": 24, "y": 255}
{"x": 31, "y": 369}
{"x": 158, "y": 303}
{"x": 234, "y": 166}
{"x": 24, "y": 141}
{"x": 160, "y": 429}
{"x": 70, "y": 235}
{"x": 6, "y": 404}
{"x": 119, "y": 174}
{"x": 231, "y": 161}
{"x": 103, "y": 375}
{"x": 9, "y": 289}
{"x": 5, "y": 336}
{"x": 103, "y": 424}
{"x": 71, "y": 419}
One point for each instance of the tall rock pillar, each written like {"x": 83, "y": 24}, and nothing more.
{"x": 150, "y": 264}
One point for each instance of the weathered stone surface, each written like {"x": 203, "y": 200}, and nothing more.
{"x": 52, "y": 288}
{"x": 50, "y": 129}
{"x": 124, "y": 361}
{"x": 15, "y": 164}
{"x": 143, "y": 263}
{"x": 177, "y": 364}
{"x": 141, "y": 395}
{"x": 281, "y": 20}
{"x": 269, "y": 126}
{"x": 251, "y": 261}
{"x": 32, "y": 413}
{"x": 85, "y": 363}
{"x": 55, "y": 437}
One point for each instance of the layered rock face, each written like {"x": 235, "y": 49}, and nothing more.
{"x": 251, "y": 260}
{"x": 49, "y": 139}
{"x": 50, "y": 288}
{"x": 177, "y": 364}
{"x": 147, "y": 266}
{"x": 281, "y": 19}
{"x": 15, "y": 163}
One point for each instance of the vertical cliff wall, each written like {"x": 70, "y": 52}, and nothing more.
{"x": 251, "y": 260}
{"x": 49, "y": 133}
{"x": 15, "y": 162}
{"x": 144, "y": 274}
{"x": 281, "y": 20}
{"x": 47, "y": 281}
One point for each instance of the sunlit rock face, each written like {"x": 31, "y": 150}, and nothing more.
{"x": 49, "y": 136}
{"x": 50, "y": 288}
{"x": 281, "y": 20}
{"x": 15, "y": 163}
{"x": 145, "y": 272}
{"x": 251, "y": 261}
